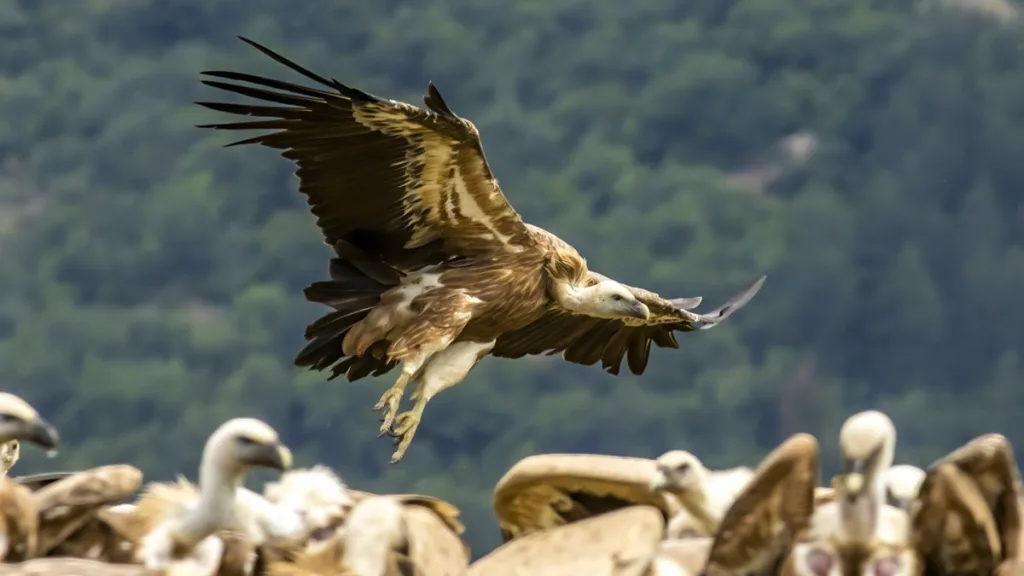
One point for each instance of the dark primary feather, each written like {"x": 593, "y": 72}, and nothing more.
{"x": 585, "y": 340}
{"x": 360, "y": 164}
{"x": 356, "y": 285}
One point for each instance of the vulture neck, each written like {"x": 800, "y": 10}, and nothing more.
{"x": 217, "y": 491}
{"x": 859, "y": 516}
{"x": 696, "y": 502}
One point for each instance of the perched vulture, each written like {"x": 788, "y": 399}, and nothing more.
{"x": 967, "y": 518}
{"x": 902, "y": 483}
{"x": 67, "y": 505}
{"x": 19, "y": 519}
{"x": 858, "y": 532}
{"x": 548, "y": 490}
{"x": 203, "y": 530}
{"x": 761, "y": 529}
{"x": 859, "y": 512}
{"x": 705, "y": 494}
{"x": 316, "y": 498}
{"x": 389, "y": 535}
{"x": 434, "y": 269}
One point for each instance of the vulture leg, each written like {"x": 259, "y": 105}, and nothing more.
{"x": 389, "y": 401}
{"x": 442, "y": 370}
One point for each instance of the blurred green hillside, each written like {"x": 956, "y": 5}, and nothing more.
{"x": 868, "y": 155}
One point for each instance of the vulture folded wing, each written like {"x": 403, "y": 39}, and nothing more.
{"x": 989, "y": 463}
{"x": 101, "y": 538}
{"x": 586, "y": 340}
{"x": 620, "y": 543}
{"x": 19, "y": 522}
{"x": 951, "y": 527}
{"x": 68, "y": 504}
{"x": 433, "y": 547}
{"x": 549, "y": 490}
{"x": 446, "y": 511}
{"x": 767, "y": 517}
{"x": 385, "y": 176}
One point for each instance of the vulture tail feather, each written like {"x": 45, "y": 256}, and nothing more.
{"x": 357, "y": 283}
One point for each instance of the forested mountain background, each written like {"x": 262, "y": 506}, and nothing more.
{"x": 868, "y": 155}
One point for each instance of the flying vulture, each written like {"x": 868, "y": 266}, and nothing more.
{"x": 434, "y": 269}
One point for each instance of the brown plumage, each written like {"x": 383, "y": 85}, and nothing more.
{"x": 434, "y": 269}
{"x": 706, "y": 495}
{"x": 19, "y": 519}
{"x": 66, "y": 505}
{"x": 393, "y": 535}
{"x": 967, "y": 519}
{"x": 549, "y": 490}
{"x": 763, "y": 524}
{"x": 433, "y": 532}
{"x": 19, "y": 523}
{"x": 199, "y": 530}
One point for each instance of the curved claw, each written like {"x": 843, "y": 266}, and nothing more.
{"x": 405, "y": 429}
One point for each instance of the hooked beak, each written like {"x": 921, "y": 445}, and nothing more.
{"x": 638, "y": 310}
{"x": 273, "y": 455}
{"x": 41, "y": 433}
{"x": 854, "y": 484}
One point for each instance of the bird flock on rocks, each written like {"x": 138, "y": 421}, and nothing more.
{"x": 432, "y": 271}
{"x": 558, "y": 514}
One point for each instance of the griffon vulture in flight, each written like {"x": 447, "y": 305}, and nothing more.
{"x": 434, "y": 269}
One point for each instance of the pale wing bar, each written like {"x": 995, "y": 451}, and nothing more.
{"x": 386, "y": 176}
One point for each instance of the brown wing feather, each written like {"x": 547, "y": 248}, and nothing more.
{"x": 386, "y": 176}
{"x": 433, "y": 547}
{"x": 18, "y": 520}
{"x": 764, "y": 521}
{"x": 548, "y": 490}
{"x": 989, "y": 462}
{"x": 585, "y": 340}
{"x": 68, "y": 504}
{"x": 951, "y": 527}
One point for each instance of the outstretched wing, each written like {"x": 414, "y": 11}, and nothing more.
{"x": 385, "y": 176}
{"x": 585, "y": 340}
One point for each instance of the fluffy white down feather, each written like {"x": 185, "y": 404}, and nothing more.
{"x": 317, "y": 495}
{"x": 156, "y": 551}
{"x": 267, "y": 523}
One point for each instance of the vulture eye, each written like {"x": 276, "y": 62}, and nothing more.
{"x": 886, "y": 567}
{"x": 820, "y": 562}
{"x": 617, "y": 298}
{"x": 683, "y": 468}
{"x": 246, "y": 441}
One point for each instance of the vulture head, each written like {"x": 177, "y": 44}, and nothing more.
{"x": 245, "y": 443}
{"x": 867, "y": 441}
{"x": 19, "y": 421}
{"x": 902, "y": 484}
{"x": 602, "y": 297}
{"x": 677, "y": 471}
